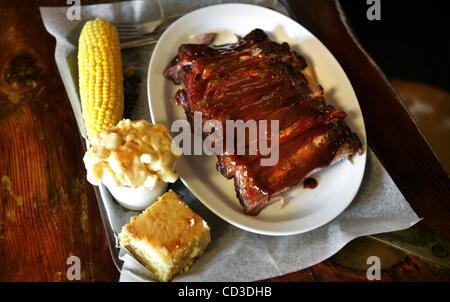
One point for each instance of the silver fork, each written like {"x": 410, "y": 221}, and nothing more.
{"x": 131, "y": 31}
{"x": 142, "y": 41}
{"x": 136, "y": 35}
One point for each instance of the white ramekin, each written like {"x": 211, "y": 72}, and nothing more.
{"x": 137, "y": 199}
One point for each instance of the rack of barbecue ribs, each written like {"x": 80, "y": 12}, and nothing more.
{"x": 259, "y": 79}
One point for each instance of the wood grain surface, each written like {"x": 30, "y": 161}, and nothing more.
{"x": 392, "y": 133}
{"x": 48, "y": 211}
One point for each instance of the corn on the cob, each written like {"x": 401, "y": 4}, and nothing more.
{"x": 100, "y": 76}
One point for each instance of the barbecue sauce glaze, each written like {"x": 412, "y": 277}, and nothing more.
{"x": 255, "y": 79}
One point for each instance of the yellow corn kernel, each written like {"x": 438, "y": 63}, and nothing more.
{"x": 100, "y": 76}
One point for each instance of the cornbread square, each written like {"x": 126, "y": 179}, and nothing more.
{"x": 166, "y": 237}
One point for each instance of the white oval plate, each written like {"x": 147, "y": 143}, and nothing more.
{"x": 306, "y": 209}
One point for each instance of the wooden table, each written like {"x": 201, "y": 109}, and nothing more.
{"x": 48, "y": 211}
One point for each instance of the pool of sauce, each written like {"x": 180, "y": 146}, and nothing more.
{"x": 310, "y": 183}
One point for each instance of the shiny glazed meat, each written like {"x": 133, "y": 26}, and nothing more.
{"x": 259, "y": 79}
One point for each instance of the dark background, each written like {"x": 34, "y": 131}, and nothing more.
{"x": 410, "y": 42}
